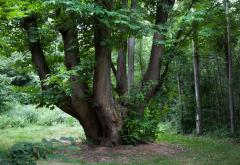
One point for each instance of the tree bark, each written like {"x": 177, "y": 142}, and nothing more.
{"x": 121, "y": 74}
{"x": 196, "y": 70}
{"x": 230, "y": 78}
{"x": 131, "y": 59}
{"x": 154, "y": 67}
{"x": 131, "y": 52}
{"x": 106, "y": 108}
{"x": 153, "y": 73}
{"x": 140, "y": 56}
{"x": 79, "y": 99}
{"x": 35, "y": 47}
{"x": 74, "y": 106}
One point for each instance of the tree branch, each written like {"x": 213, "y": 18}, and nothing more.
{"x": 35, "y": 47}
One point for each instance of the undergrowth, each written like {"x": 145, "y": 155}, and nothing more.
{"x": 21, "y": 116}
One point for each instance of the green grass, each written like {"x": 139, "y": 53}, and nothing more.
{"x": 203, "y": 150}
{"x": 33, "y": 134}
{"x": 198, "y": 150}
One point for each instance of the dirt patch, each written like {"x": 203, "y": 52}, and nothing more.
{"x": 124, "y": 154}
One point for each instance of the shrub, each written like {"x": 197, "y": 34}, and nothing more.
{"x": 137, "y": 129}
{"x": 27, "y": 153}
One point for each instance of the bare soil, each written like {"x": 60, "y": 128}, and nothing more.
{"x": 124, "y": 154}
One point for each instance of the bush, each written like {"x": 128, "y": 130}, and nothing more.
{"x": 137, "y": 129}
{"x": 27, "y": 153}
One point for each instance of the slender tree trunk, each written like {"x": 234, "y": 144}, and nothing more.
{"x": 196, "y": 70}
{"x": 131, "y": 59}
{"x": 153, "y": 73}
{"x": 180, "y": 95}
{"x": 131, "y": 52}
{"x": 229, "y": 59}
{"x": 140, "y": 56}
{"x": 121, "y": 74}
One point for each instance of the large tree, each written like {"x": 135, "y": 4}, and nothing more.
{"x": 93, "y": 103}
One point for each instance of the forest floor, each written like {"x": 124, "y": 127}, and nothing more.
{"x": 168, "y": 150}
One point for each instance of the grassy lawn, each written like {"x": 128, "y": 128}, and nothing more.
{"x": 33, "y": 134}
{"x": 202, "y": 150}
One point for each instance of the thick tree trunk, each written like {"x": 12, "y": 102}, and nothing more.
{"x": 85, "y": 113}
{"x": 106, "y": 108}
{"x": 230, "y": 79}
{"x": 196, "y": 70}
{"x": 103, "y": 100}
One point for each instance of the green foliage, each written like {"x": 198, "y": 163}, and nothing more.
{"x": 22, "y": 116}
{"x": 138, "y": 129}
{"x": 137, "y": 94}
{"x": 5, "y": 91}
{"x": 27, "y": 153}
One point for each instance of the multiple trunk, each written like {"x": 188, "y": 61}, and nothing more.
{"x": 99, "y": 114}
{"x": 77, "y": 105}
{"x": 79, "y": 100}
